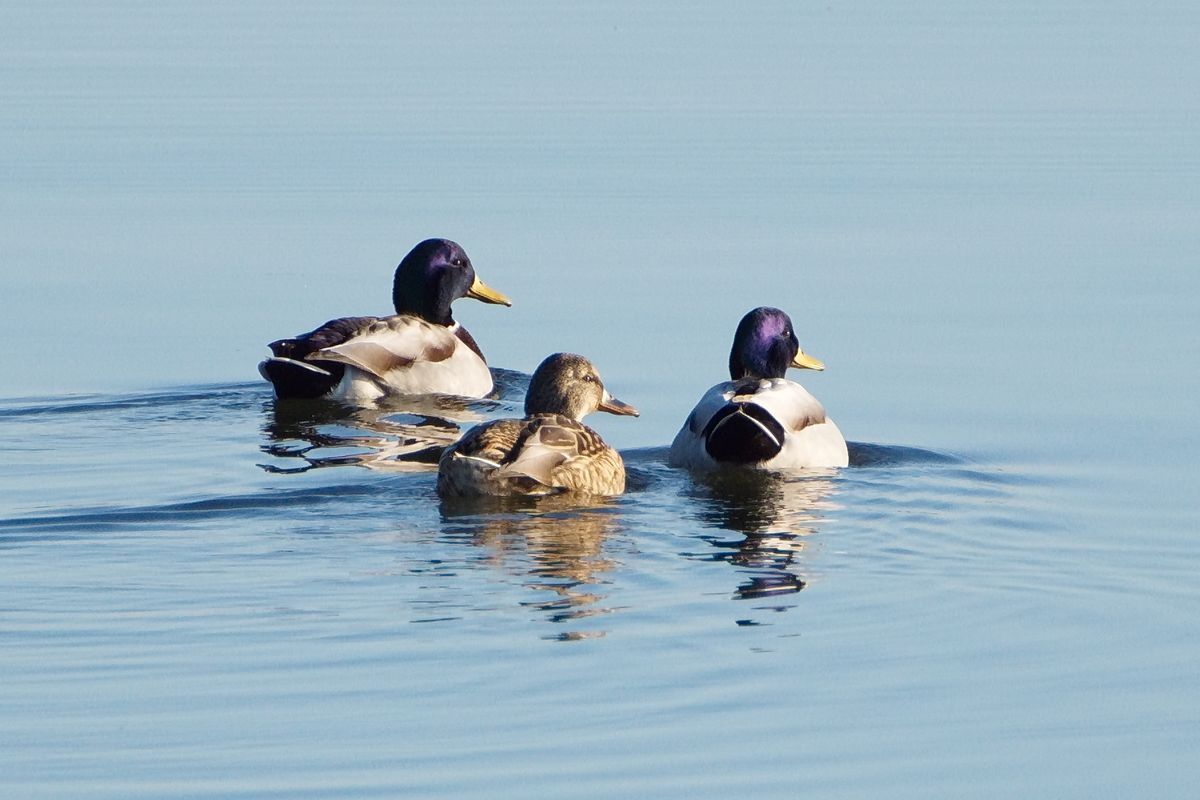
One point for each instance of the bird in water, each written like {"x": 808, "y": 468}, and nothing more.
{"x": 549, "y": 450}
{"x": 759, "y": 418}
{"x": 418, "y": 350}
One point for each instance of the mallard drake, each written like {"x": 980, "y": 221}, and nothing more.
{"x": 759, "y": 418}
{"x": 419, "y": 350}
{"x": 549, "y": 450}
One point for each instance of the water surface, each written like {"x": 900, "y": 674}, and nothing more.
{"x": 983, "y": 219}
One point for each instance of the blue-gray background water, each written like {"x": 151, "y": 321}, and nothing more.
{"x": 984, "y": 218}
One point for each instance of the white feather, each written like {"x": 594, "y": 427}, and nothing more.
{"x": 808, "y": 442}
{"x": 395, "y": 357}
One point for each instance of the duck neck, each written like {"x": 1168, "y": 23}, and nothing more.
{"x": 750, "y": 363}
{"x": 553, "y": 403}
{"x": 428, "y": 300}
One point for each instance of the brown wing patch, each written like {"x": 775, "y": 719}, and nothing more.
{"x": 494, "y": 441}
{"x": 555, "y": 436}
{"x": 555, "y": 451}
{"x": 368, "y": 356}
{"x": 584, "y": 441}
{"x": 584, "y": 463}
{"x": 601, "y": 472}
{"x": 469, "y": 340}
{"x": 440, "y": 350}
{"x": 390, "y": 343}
{"x": 809, "y": 419}
{"x": 437, "y": 343}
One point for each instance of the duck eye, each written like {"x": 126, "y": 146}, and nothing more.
{"x": 590, "y": 378}
{"x": 458, "y": 262}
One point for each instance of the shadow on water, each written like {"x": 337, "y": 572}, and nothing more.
{"x": 556, "y": 544}
{"x": 403, "y": 433}
{"x": 180, "y": 404}
{"x": 87, "y": 522}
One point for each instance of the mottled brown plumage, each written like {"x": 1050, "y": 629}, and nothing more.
{"x": 549, "y": 450}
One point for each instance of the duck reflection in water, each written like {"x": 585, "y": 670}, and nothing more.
{"x": 401, "y": 433}
{"x": 395, "y": 433}
{"x": 555, "y": 544}
{"x": 774, "y": 512}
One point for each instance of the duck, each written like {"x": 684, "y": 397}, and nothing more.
{"x": 420, "y": 349}
{"x": 759, "y": 418}
{"x": 549, "y": 450}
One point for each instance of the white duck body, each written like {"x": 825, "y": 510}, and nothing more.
{"x": 743, "y": 411}
{"x": 406, "y": 355}
{"x": 418, "y": 350}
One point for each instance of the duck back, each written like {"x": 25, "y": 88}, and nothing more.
{"x": 743, "y": 432}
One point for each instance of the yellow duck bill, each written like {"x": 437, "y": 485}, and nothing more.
{"x": 481, "y": 291}
{"x": 805, "y": 361}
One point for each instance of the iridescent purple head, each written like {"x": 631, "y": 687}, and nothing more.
{"x": 432, "y": 276}
{"x": 765, "y": 345}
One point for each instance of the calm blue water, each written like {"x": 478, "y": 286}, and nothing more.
{"x": 985, "y": 220}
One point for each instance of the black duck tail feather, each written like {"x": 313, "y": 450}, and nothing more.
{"x": 300, "y": 379}
{"x": 743, "y": 433}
